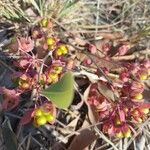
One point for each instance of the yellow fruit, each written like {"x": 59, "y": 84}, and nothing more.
{"x": 59, "y": 52}
{"x": 44, "y": 22}
{"x": 50, "y": 41}
{"x": 51, "y": 47}
{"x": 138, "y": 119}
{"x": 53, "y": 76}
{"x": 138, "y": 96}
{"x": 41, "y": 120}
{"x": 64, "y": 49}
{"x": 119, "y": 134}
{"x": 143, "y": 76}
{"x": 49, "y": 80}
{"x": 25, "y": 86}
{"x": 127, "y": 134}
{"x": 58, "y": 69}
{"x": 49, "y": 117}
{"x": 145, "y": 110}
{"x": 38, "y": 112}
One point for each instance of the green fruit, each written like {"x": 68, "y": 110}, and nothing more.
{"x": 41, "y": 120}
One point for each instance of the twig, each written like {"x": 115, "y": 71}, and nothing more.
{"x": 9, "y": 68}
{"x": 138, "y": 132}
{"x": 28, "y": 142}
{"x": 42, "y": 65}
{"x": 105, "y": 138}
{"x": 135, "y": 55}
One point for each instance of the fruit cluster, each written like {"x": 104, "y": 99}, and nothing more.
{"x": 129, "y": 107}
{"x": 117, "y": 128}
{"x": 42, "y": 117}
{"x": 41, "y": 61}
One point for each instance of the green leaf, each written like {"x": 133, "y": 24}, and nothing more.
{"x": 9, "y": 137}
{"x": 62, "y": 92}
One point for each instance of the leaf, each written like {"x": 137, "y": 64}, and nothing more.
{"x": 105, "y": 91}
{"x": 9, "y": 137}
{"x": 62, "y": 92}
{"x": 92, "y": 112}
{"x": 26, "y": 118}
{"x": 84, "y": 139}
{"x": 68, "y": 5}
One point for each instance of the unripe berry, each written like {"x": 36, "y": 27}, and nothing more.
{"x": 119, "y": 134}
{"x": 25, "y": 86}
{"x": 49, "y": 80}
{"x": 38, "y": 112}
{"x": 44, "y": 22}
{"x": 41, "y": 120}
{"x": 50, "y": 41}
{"x": 138, "y": 119}
{"x": 143, "y": 76}
{"x": 49, "y": 117}
{"x": 138, "y": 96}
{"x": 59, "y": 52}
{"x": 58, "y": 69}
{"x": 64, "y": 49}
{"x": 145, "y": 110}
{"x": 53, "y": 77}
{"x": 127, "y": 133}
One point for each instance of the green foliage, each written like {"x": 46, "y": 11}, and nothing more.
{"x": 62, "y": 92}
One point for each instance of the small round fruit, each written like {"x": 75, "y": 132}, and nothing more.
{"x": 38, "y": 113}
{"x": 41, "y": 120}
{"x": 59, "y": 52}
{"x": 50, "y": 41}
{"x": 145, "y": 110}
{"x": 53, "y": 76}
{"x": 49, "y": 117}
{"x": 143, "y": 76}
{"x": 25, "y": 86}
{"x": 64, "y": 49}
{"x": 138, "y": 96}
{"x": 44, "y": 22}
{"x": 58, "y": 69}
{"x": 138, "y": 119}
{"x": 119, "y": 134}
{"x": 127, "y": 134}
